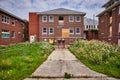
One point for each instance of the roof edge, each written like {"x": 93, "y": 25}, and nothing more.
{"x": 108, "y": 9}
{"x": 106, "y": 3}
{"x": 6, "y": 12}
{"x": 45, "y": 12}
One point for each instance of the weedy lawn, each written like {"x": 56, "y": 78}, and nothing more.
{"x": 99, "y": 56}
{"x": 19, "y": 61}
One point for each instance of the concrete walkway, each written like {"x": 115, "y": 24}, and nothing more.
{"x": 61, "y": 61}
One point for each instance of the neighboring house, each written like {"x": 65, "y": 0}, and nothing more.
{"x": 109, "y": 22}
{"x": 90, "y": 25}
{"x": 11, "y": 28}
{"x": 55, "y": 25}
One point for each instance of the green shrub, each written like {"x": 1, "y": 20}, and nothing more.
{"x": 67, "y": 75}
{"x": 99, "y": 56}
{"x": 6, "y": 64}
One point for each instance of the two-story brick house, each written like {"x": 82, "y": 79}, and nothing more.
{"x": 11, "y": 28}
{"x": 109, "y": 22}
{"x": 56, "y": 24}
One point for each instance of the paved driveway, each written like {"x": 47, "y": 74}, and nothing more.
{"x": 61, "y": 61}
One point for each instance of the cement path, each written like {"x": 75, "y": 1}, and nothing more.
{"x": 61, "y": 61}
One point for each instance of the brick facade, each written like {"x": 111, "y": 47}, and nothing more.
{"x": 110, "y": 18}
{"x": 15, "y": 26}
{"x": 36, "y": 25}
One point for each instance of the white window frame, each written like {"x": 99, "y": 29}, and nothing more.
{"x": 76, "y": 18}
{"x": 13, "y": 22}
{"x": 50, "y": 30}
{"x": 43, "y": 18}
{"x": 6, "y": 32}
{"x": 5, "y": 19}
{"x": 51, "y": 19}
{"x": 71, "y": 18}
{"x": 71, "y": 28}
{"x": 43, "y": 30}
{"x": 76, "y": 30}
{"x": 13, "y": 34}
{"x": 119, "y": 28}
{"x": 119, "y": 10}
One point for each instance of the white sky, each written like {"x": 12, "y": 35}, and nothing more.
{"x": 21, "y": 8}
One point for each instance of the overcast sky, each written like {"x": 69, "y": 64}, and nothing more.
{"x": 21, "y": 8}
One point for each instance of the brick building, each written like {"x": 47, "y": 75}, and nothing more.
{"x": 109, "y": 22}
{"x": 11, "y": 28}
{"x": 90, "y": 29}
{"x": 56, "y": 24}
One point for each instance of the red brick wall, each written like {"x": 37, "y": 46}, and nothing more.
{"x": 58, "y": 31}
{"x": 104, "y": 28}
{"x": 17, "y": 28}
{"x": 33, "y": 25}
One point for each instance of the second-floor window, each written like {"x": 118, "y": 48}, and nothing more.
{"x": 71, "y": 18}
{"x": 5, "y": 19}
{"x": 78, "y": 30}
{"x": 44, "y": 18}
{"x": 77, "y": 18}
{"x": 44, "y": 30}
{"x": 13, "y": 23}
{"x": 51, "y": 18}
{"x": 61, "y": 20}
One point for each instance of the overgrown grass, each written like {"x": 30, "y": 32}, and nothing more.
{"x": 19, "y": 61}
{"x": 99, "y": 56}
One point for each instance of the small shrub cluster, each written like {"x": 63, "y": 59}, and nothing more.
{"x": 67, "y": 75}
{"x": 19, "y": 61}
{"x": 98, "y": 55}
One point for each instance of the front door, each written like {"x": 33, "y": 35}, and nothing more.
{"x": 32, "y": 38}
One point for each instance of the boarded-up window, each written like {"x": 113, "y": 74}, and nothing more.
{"x": 119, "y": 28}
{"x": 110, "y": 31}
{"x": 118, "y": 42}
